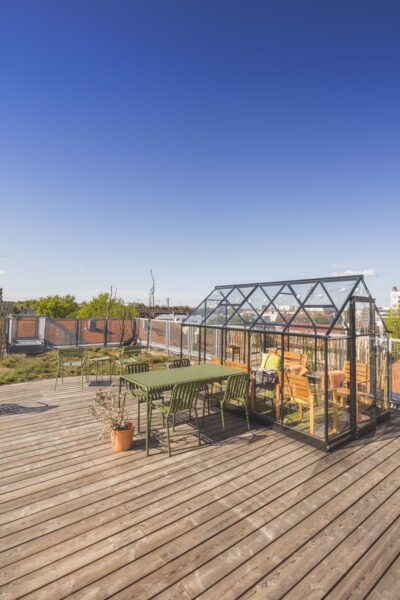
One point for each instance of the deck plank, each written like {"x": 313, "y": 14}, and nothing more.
{"x": 256, "y": 515}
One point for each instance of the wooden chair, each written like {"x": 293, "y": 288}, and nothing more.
{"x": 295, "y": 362}
{"x": 299, "y": 391}
{"x": 341, "y": 392}
{"x": 182, "y": 399}
{"x": 70, "y": 358}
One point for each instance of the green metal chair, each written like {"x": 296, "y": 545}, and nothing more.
{"x": 236, "y": 393}
{"x": 136, "y": 391}
{"x": 179, "y": 363}
{"x": 127, "y": 357}
{"x": 182, "y": 398}
{"x": 70, "y": 358}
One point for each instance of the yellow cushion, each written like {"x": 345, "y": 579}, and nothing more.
{"x": 273, "y": 362}
{"x": 270, "y": 361}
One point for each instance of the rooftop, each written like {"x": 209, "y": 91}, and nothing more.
{"x": 257, "y": 515}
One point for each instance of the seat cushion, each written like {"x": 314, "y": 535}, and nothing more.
{"x": 270, "y": 361}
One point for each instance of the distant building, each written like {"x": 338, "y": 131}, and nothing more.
{"x": 394, "y": 303}
{"x": 147, "y": 312}
{"x": 395, "y": 298}
{"x": 170, "y": 317}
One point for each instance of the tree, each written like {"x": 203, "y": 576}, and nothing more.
{"x": 392, "y": 322}
{"x": 106, "y": 304}
{"x": 56, "y": 307}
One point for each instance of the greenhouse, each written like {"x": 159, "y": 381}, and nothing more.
{"x": 324, "y": 339}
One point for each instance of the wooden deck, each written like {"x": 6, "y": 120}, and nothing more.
{"x": 256, "y": 516}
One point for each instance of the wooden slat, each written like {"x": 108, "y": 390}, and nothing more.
{"x": 178, "y": 557}
{"x": 256, "y": 515}
{"x": 387, "y": 586}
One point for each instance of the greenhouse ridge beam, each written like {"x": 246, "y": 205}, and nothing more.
{"x": 295, "y": 281}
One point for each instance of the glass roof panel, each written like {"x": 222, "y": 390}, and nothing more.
{"x": 218, "y": 294}
{"x": 235, "y": 297}
{"x": 302, "y": 290}
{"x": 246, "y": 290}
{"x": 258, "y": 300}
{"x": 247, "y": 314}
{"x": 197, "y": 316}
{"x": 233, "y": 318}
{"x": 318, "y": 298}
{"x": 272, "y": 317}
{"x": 301, "y": 319}
{"x": 361, "y": 290}
{"x": 211, "y": 305}
{"x": 320, "y": 308}
{"x": 217, "y": 318}
{"x": 286, "y": 304}
{"x": 339, "y": 291}
{"x": 272, "y": 290}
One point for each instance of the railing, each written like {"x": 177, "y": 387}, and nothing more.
{"x": 3, "y": 334}
{"x": 394, "y": 347}
{"x": 28, "y": 333}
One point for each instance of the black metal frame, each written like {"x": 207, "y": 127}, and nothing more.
{"x": 221, "y": 300}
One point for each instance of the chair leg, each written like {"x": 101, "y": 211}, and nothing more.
{"x": 138, "y": 415}
{"x": 82, "y": 378}
{"x": 198, "y": 426}
{"x": 168, "y": 439}
{"x": 173, "y": 422}
{"x": 55, "y": 385}
{"x": 222, "y": 418}
{"x": 246, "y": 408}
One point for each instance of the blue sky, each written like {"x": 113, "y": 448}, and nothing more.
{"x": 212, "y": 141}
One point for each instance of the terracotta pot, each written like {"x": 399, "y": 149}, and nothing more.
{"x": 122, "y": 440}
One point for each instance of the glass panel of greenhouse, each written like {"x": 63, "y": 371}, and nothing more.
{"x": 330, "y": 345}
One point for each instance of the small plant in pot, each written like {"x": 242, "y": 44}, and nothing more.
{"x": 109, "y": 409}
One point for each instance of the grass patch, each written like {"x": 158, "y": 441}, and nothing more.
{"x": 17, "y": 368}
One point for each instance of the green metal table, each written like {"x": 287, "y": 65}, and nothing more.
{"x": 163, "y": 381}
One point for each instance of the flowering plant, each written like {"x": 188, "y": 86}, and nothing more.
{"x": 109, "y": 409}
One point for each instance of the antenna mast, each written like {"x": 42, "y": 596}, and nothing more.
{"x": 151, "y": 292}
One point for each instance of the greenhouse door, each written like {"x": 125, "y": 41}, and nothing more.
{"x": 362, "y": 365}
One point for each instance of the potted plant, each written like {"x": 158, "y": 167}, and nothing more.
{"x": 109, "y": 409}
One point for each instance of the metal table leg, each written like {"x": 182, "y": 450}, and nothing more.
{"x": 147, "y": 422}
